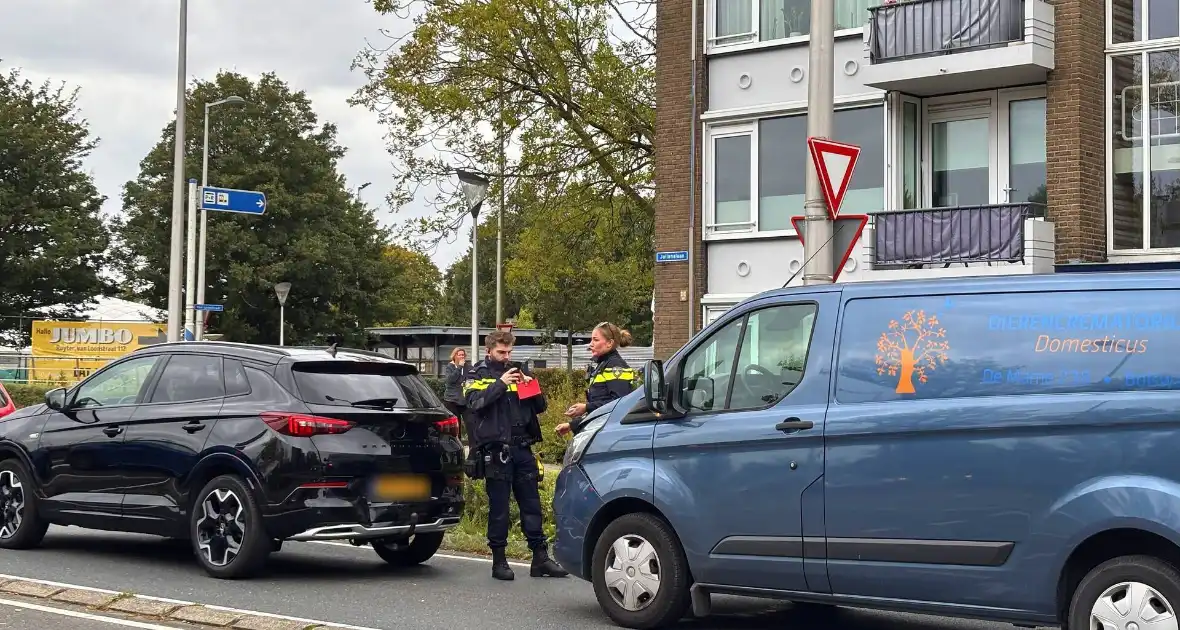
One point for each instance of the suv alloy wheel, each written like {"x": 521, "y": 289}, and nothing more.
{"x": 21, "y": 527}
{"x": 227, "y": 530}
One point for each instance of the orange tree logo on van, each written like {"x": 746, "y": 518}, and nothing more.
{"x": 912, "y": 347}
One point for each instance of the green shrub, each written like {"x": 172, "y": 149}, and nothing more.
{"x": 26, "y": 395}
{"x": 471, "y": 534}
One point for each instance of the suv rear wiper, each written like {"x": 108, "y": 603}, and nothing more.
{"x": 372, "y": 403}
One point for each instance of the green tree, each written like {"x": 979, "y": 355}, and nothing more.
{"x": 571, "y": 84}
{"x": 53, "y": 239}
{"x": 584, "y": 261}
{"x": 455, "y": 304}
{"x": 417, "y": 297}
{"x": 315, "y": 232}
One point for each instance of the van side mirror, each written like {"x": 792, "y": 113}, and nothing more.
{"x": 55, "y": 399}
{"x": 655, "y": 392}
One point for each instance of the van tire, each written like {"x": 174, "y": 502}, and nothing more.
{"x": 1156, "y": 574}
{"x": 672, "y": 600}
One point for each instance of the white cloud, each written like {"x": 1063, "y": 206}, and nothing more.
{"x": 123, "y": 53}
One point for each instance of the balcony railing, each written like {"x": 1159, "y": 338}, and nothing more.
{"x": 910, "y": 29}
{"x": 972, "y": 234}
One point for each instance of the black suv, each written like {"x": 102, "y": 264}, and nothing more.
{"x": 237, "y": 448}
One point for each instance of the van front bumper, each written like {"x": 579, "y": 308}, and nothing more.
{"x": 575, "y": 502}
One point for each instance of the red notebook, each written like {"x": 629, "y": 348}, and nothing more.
{"x": 529, "y": 389}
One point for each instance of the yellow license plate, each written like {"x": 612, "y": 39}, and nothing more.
{"x": 401, "y": 488}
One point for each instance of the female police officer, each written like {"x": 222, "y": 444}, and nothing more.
{"x": 610, "y": 377}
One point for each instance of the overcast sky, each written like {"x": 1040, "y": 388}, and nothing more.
{"x": 123, "y": 53}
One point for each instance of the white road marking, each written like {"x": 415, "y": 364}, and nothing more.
{"x": 126, "y": 623}
{"x": 178, "y": 602}
{"x": 437, "y": 555}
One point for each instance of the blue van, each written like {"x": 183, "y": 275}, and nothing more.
{"x": 1004, "y": 449}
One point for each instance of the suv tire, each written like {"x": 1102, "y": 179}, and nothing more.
{"x": 228, "y": 535}
{"x": 1126, "y": 589}
{"x": 407, "y": 553}
{"x": 648, "y": 545}
{"x": 21, "y": 526}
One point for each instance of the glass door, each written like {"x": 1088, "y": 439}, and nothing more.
{"x": 1022, "y": 172}
{"x": 960, "y": 148}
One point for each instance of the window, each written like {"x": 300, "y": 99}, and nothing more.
{"x": 346, "y": 383}
{"x": 748, "y": 21}
{"x": 236, "y": 382}
{"x": 1129, "y": 20}
{"x": 189, "y": 377}
{"x": 119, "y": 384}
{"x": 1144, "y": 194}
{"x": 770, "y": 359}
{"x": 938, "y": 347}
{"x": 779, "y": 148}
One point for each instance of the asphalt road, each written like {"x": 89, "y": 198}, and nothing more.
{"x": 342, "y": 584}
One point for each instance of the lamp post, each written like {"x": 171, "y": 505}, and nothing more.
{"x": 475, "y": 190}
{"x": 199, "y": 324}
{"x": 282, "y": 290}
{"x": 175, "y": 304}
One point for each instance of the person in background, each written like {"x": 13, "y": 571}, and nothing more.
{"x": 502, "y": 429}
{"x": 609, "y": 377}
{"x": 455, "y": 375}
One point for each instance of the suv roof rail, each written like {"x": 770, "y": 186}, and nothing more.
{"x": 227, "y": 345}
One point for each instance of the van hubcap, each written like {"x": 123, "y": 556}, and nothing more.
{"x": 12, "y": 504}
{"x": 221, "y": 530}
{"x": 632, "y": 572}
{"x": 1132, "y": 606}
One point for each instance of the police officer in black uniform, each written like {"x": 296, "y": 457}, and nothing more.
{"x": 609, "y": 377}
{"x": 502, "y": 428}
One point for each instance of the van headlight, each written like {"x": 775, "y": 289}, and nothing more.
{"x": 573, "y": 452}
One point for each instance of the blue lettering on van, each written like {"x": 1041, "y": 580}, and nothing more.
{"x": 1084, "y": 321}
{"x": 1152, "y": 381}
{"x": 1034, "y": 378}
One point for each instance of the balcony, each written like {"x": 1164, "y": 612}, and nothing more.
{"x": 932, "y": 47}
{"x": 998, "y": 239}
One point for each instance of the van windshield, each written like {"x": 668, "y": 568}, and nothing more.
{"x": 346, "y": 383}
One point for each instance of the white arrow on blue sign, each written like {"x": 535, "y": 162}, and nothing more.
{"x": 232, "y": 200}
{"x": 667, "y": 257}
{"x": 209, "y": 307}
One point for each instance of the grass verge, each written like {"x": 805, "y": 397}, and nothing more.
{"x": 471, "y": 534}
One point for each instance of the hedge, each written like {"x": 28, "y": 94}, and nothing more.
{"x": 562, "y": 387}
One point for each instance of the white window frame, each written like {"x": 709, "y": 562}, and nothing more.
{"x": 1143, "y": 43}
{"x": 749, "y": 125}
{"x": 1004, "y": 101}
{"x": 1146, "y": 253}
{"x": 750, "y": 40}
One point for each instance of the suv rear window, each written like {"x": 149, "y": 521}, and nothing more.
{"x": 346, "y": 382}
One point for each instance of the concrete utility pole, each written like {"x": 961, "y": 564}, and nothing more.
{"x": 500, "y": 219}
{"x": 820, "y": 70}
{"x": 175, "y": 278}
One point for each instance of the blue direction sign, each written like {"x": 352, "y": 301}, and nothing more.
{"x": 232, "y": 200}
{"x": 667, "y": 257}
{"x": 217, "y": 308}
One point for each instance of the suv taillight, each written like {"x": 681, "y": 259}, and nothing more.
{"x": 303, "y": 425}
{"x": 450, "y": 426}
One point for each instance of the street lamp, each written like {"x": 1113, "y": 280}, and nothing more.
{"x": 175, "y": 304}
{"x": 282, "y": 290}
{"x": 199, "y": 325}
{"x": 475, "y": 190}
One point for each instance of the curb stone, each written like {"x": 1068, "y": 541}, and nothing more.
{"x": 143, "y": 606}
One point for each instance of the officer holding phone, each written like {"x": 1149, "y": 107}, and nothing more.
{"x": 502, "y": 429}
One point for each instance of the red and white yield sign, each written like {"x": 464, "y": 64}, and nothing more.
{"x": 835, "y": 162}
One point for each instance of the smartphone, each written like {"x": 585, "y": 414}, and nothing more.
{"x": 516, "y": 365}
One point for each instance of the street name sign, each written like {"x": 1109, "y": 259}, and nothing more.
{"x": 667, "y": 257}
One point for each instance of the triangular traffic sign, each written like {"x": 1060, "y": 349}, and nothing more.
{"x": 835, "y": 163}
{"x": 845, "y": 233}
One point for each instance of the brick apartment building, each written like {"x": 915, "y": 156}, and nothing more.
{"x": 997, "y": 136}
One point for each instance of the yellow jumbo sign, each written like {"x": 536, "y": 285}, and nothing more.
{"x": 67, "y": 352}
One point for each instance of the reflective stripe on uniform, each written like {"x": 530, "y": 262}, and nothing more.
{"x": 479, "y": 385}
{"x": 482, "y": 384}
{"x": 615, "y": 374}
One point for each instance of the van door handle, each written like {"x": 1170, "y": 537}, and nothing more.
{"x": 193, "y": 427}
{"x": 794, "y": 424}
{"x": 112, "y": 431}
